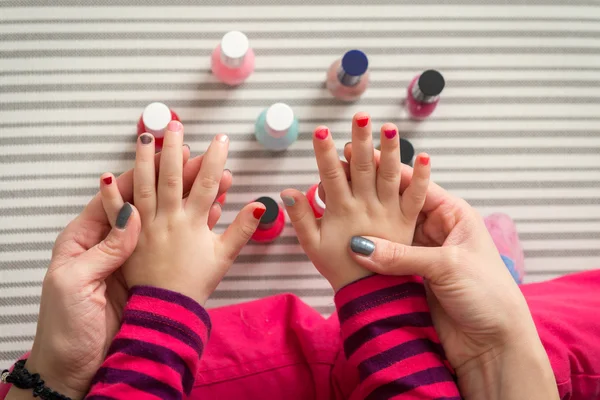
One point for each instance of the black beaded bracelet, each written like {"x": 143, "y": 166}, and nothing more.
{"x": 21, "y": 378}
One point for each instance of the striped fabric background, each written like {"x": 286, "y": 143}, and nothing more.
{"x": 518, "y": 129}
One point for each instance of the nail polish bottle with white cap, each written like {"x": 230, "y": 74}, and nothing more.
{"x": 276, "y": 127}
{"x": 348, "y": 78}
{"x": 154, "y": 120}
{"x": 317, "y": 205}
{"x": 232, "y": 60}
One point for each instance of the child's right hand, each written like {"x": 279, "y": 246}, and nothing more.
{"x": 177, "y": 250}
{"x": 369, "y": 203}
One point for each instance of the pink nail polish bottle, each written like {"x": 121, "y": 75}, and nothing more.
{"x": 271, "y": 223}
{"x": 154, "y": 120}
{"x": 317, "y": 205}
{"x": 232, "y": 60}
{"x": 423, "y": 94}
{"x": 348, "y": 78}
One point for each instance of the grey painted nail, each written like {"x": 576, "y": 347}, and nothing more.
{"x": 146, "y": 139}
{"x": 363, "y": 246}
{"x": 288, "y": 200}
{"x": 124, "y": 215}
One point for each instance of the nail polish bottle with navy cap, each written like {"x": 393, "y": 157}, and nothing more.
{"x": 348, "y": 78}
{"x": 423, "y": 94}
{"x": 154, "y": 120}
{"x": 271, "y": 223}
{"x": 232, "y": 61}
{"x": 276, "y": 127}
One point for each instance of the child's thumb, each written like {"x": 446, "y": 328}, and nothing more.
{"x": 389, "y": 258}
{"x": 108, "y": 255}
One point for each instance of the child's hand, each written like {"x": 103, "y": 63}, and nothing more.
{"x": 176, "y": 249}
{"x": 369, "y": 203}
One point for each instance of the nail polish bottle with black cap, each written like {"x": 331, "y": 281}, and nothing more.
{"x": 271, "y": 223}
{"x": 407, "y": 152}
{"x": 423, "y": 94}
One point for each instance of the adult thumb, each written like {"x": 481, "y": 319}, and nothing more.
{"x": 108, "y": 255}
{"x": 389, "y": 258}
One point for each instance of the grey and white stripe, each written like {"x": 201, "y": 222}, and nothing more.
{"x": 517, "y": 130}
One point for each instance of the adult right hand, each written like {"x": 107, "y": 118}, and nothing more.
{"x": 481, "y": 317}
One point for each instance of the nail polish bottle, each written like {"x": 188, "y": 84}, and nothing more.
{"x": 154, "y": 120}
{"x": 271, "y": 223}
{"x": 317, "y": 205}
{"x": 348, "y": 78}
{"x": 221, "y": 199}
{"x": 232, "y": 61}
{"x": 423, "y": 94}
{"x": 407, "y": 152}
{"x": 276, "y": 127}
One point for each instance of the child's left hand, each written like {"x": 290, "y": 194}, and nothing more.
{"x": 368, "y": 205}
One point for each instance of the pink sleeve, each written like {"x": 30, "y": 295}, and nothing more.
{"x": 156, "y": 353}
{"x": 389, "y": 339}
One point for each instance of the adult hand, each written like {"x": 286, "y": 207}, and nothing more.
{"x": 481, "y": 317}
{"x": 83, "y": 293}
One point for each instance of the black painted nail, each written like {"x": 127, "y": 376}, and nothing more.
{"x": 124, "y": 215}
{"x": 146, "y": 139}
{"x": 363, "y": 246}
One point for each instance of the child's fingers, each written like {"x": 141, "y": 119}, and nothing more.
{"x": 214, "y": 214}
{"x": 206, "y": 187}
{"x": 144, "y": 177}
{"x": 302, "y": 218}
{"x": 111, "y": 197}
{"x": 362, "y": 165}
{"x": 331, "y": 171}
{"x": 170, "y": 176}
{"x": 241, "y": 230}
{"x": 414, "y": 196}
{"x": 388, "y": 172}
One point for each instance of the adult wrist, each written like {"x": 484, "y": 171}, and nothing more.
{"x": 58, "y": 380}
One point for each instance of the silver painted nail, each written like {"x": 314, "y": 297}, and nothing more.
{"x": 363, "y": 246}
{"x": 288, "y": 200}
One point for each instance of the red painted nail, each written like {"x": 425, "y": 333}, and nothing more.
{"x": 390, "y": 133}
{"x": 107, "y": 180}
{"x": 362, "y": 121}
{"x": 322, "y": 133}
{"x": 424, "y": 159}
{"x": 258, "y": 212}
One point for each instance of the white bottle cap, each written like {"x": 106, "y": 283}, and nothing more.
{"x": 234, "y": 46}
{"x": 318, "y": 200}
{"x": 156, "y": 117}
{"x": 279, "y": 119}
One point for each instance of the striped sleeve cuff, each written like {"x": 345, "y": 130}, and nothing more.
{"x": 157, "y": 351}
{"x": 388, "y": 336}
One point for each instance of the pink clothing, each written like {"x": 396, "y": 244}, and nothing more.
{"x": 279, "y": 347}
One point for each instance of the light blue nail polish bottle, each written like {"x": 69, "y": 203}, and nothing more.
{"x": 276, "y": 127}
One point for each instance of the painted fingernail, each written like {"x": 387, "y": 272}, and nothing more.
{"x": 174, "y": 126}
{"x": 288, "y": 200}
{"x": 390, "y": 133}
{"x": 322, "y": 133}
{"x": 363, "y": 246}
{"x": 362, "y": 121}
{"x": 124, "y": 215}
{"x": 222, "y": 138}
{"x": 424, "y": 159}
{"x": 258, "y": 212}
{"x": 107, "y": 180}
{"x": 146, "y": 139}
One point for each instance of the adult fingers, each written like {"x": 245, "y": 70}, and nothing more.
{"x": 111, "y": 197}
{"x": 241, "y": 230}
{"x": 214, "y": 214}
{"x": 170, "y": 176}
{"x": 389, "y": 258}
{"x": 302, "y": 218}
{"x": 112, "y": 252}
{"x": 362, "y": 164}
{"x": 144, "y": 177}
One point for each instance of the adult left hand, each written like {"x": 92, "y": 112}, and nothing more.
{"x": 83, "y": 293}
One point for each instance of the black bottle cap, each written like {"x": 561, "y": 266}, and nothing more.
{"x": 271, "y": 212}
{"x": 431, "y": 83}
{"x": 407, "y": 152}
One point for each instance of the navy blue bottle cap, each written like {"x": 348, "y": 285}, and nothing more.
{"x": 271, "y": 212}
{"x": 355, "y": 63}
{"x": 407, "y": 152}
{"x": 431, "y": 83}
